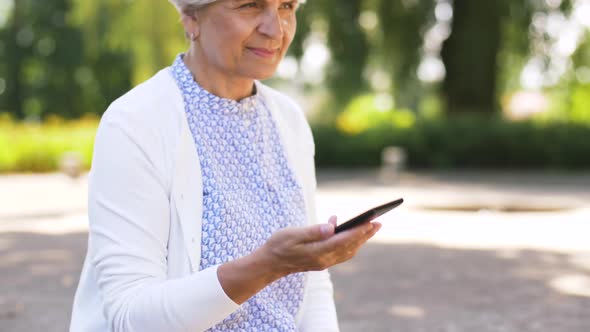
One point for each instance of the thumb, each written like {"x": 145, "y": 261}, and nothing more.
{"x": 333, "y": 220}
{"x": 318, "y": 232}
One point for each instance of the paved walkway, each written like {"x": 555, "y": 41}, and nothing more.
{"x": 459, "y": 255}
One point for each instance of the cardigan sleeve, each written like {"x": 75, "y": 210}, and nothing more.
{"x": 129, "y": 216}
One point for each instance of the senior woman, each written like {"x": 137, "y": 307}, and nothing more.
{"x": 201, "y": 193}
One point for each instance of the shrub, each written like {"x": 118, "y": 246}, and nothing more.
{"x": 460, "y": 142}
{"x": 38, "y": 147}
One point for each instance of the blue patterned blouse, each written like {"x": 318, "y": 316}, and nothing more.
{"x": 249, "y": 192}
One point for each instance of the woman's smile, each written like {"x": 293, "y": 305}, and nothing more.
{"x": 264, "y": 52}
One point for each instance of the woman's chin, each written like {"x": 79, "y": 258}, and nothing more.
{"x": 262, "y": 74}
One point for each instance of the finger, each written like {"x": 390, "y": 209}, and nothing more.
{"x": 317, "y": 232}
{"x": 374, "y": 227}
{"x": 369, "y": 231}
{"x": 333, "y": 220}
{"x": 347, "y": 246}
{"x": 367, "y": 236}
{"x": 349, "y": 238}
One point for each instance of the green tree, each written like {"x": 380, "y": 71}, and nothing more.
{"x": 484, "y": 39}
{"x": 40, "y": 55}
{"x": 349, "y": 48}
{"x": 470, "y": 56}
{"x": 402, "y": 25}
{"x": 149, "y": 31}
{"x": 70, "y": 57}
{"x": 487, "y": 41}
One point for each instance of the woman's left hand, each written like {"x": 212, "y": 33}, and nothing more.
{"x": 291, "y": 250}
{"x": 316, "y": 247}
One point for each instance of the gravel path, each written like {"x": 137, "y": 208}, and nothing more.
{"x": 430, "y": 269}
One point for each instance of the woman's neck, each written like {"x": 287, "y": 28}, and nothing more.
{"x": 224, "y": 85}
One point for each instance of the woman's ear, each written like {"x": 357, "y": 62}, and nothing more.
{"x": 191, "y": 26}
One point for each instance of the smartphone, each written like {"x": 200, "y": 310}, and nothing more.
{"x": 369, "y": 215}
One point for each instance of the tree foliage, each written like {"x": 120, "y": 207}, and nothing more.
{"x": 71, "y": 57}
{"x": 41, "y": 55}
{"x": 487, "y": 47}
{"x": 403, "y": 25}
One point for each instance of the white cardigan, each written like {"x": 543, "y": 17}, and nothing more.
{"x": 141, "y": 272}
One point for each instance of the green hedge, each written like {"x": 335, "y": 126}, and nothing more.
{"x": 39, "y": 147}
{"x": 460, "y": 142}
{"x": 435, "y": 143}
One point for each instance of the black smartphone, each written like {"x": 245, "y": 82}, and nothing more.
{"x": 369, "y": 215}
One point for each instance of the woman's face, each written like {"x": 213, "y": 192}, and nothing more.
{"x": 247, "y": 38}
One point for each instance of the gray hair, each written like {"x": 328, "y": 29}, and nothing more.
{"x": 189, "y": 6}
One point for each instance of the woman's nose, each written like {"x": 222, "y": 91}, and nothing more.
{"x": 272, "y": 25}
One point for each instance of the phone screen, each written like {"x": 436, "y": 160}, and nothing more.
{"x": 369, "y": 215}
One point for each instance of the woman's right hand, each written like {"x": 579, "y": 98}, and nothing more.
{"x": 314, "y": 248}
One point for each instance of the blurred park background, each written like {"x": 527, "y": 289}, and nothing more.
{"x": 476, "y": 112}
{"x": 456, "y": 84}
